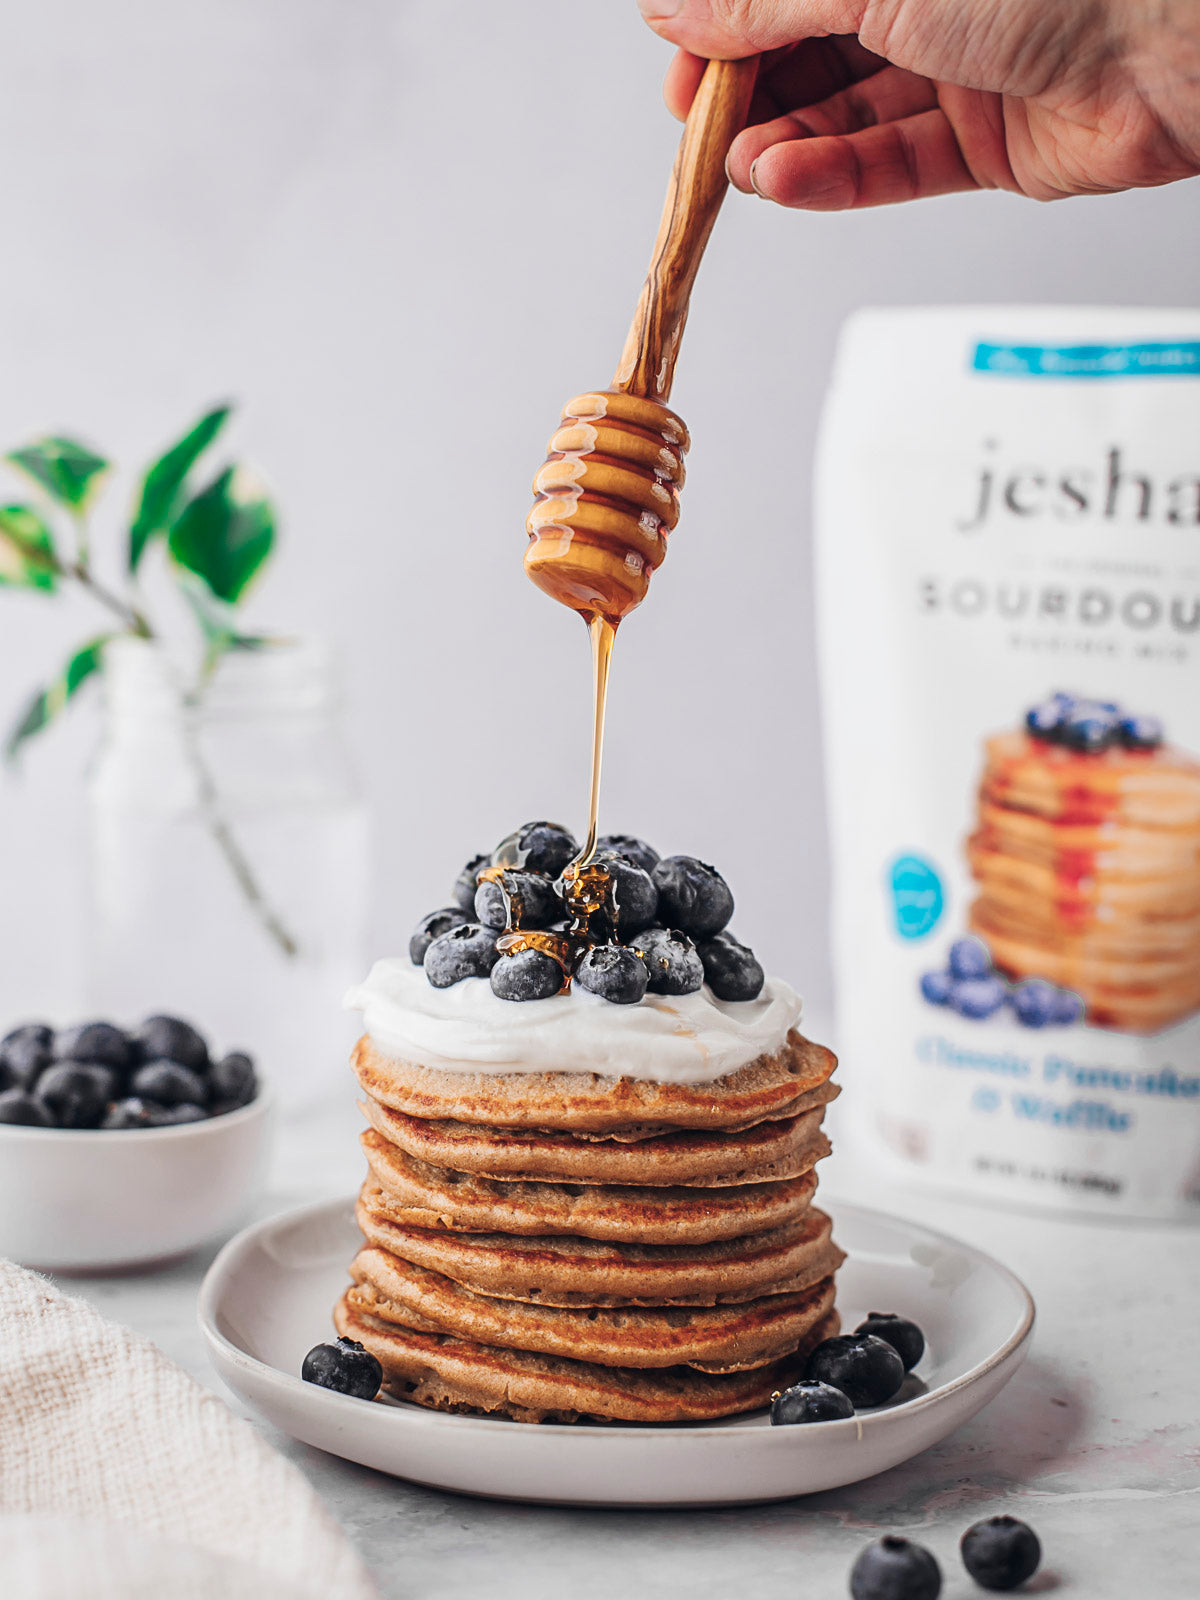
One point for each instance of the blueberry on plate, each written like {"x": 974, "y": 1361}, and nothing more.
{"x": 467, "y": 951}
{"x": 635, "y": 850}
{"x": 433, "y": 927}
{"x": 131, "y": 1113}
{"x": 864, "y": 1367}
{"x": 537, "y": 847}
{"x": 346, "y": 1367}
{"x": 614, "y": 973}
{"x": 534, "y": 899}
{"x": 20, "y": 1109}
{"x": 1000, "y": 1552}
{"x": 937, "y": 987}
{"x": 731, "y": 970}
{"x": 75, "y": 1093}
{"x": 969, "y": 958}
{"x": 692, "y": 896}
{"x": 1068, "y": 1008}
{"x": 98, "y": 1042}
{"x": 809, "y": 1401}
{"x": 169, "y": 1084}
{"x": 232, "y": 1082}
{"x": 905, "y": 1338}
{"x": 633, "y": 891}
{"x": 1140, "y": 733}
{"x": 171, "y": 1039}
{"x": 527, "y": 975}
{"x": 672, "y": 960}
{"x": 895, "y": 1569}
{"x": 1033, "y": 1002}
{"x": 467, "y": 882}
{"x": 979, "y": 998}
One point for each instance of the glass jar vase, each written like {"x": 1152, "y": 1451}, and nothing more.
{"x": 229, "y": 858}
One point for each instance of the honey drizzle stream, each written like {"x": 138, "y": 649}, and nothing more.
{"x": 602, "y": 633}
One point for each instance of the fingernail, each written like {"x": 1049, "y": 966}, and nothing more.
{"x": 754, "y": 179}
{"x": 659, "y": 10}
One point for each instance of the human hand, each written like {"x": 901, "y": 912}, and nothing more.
{"x": 866, "y": 102}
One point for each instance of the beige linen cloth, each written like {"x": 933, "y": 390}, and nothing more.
{"x": 122, "y": 1479}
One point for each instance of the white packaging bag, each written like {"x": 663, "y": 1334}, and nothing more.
{"x": 1008, "y": 508}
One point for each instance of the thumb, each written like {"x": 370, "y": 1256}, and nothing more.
{"x": 732, "y": 28}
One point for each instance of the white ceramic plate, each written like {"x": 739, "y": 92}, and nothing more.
{"x": 267, "y": 1299}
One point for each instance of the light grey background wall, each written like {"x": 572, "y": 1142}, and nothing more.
{"x": 403, "y": 232}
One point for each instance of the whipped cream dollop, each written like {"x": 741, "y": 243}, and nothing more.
{"x": 690, "y": 1038}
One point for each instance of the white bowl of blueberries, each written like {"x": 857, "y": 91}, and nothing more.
{"x": 123, "y": 1147}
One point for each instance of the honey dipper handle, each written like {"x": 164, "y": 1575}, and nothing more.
{"x": 694, "y": 195}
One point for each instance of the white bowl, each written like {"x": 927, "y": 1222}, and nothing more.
{"x": 85, "y": 1200}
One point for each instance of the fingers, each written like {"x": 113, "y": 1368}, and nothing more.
{"x": 909, "y": 159}
{"x": 797, "y": 75}
{"x": 729, "y": 28}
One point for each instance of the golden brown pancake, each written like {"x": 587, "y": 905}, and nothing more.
{"x": 452, "y": 1374}
{"x": 411, "y": 1191}
{"x": 1147, "y": 788}
{"x": 582, "y": 1103}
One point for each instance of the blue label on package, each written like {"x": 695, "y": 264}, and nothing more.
{"x": 917, "y": 897}
{"x": 1172, "y": 359}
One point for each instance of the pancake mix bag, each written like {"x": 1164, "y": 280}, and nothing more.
{"x": 1008, "y": 536}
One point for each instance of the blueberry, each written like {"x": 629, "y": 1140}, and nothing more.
{"x": 809, "y": 1401}
{"x": 467, "y": 882}
{"x": 672, "y": 960}
{"x": 168, "y": 1083}
{"x": 905, "y": 1338}
{"x": 535, "y": 902}
{"x": 1045, "y": 721}
{"x": 346, "y": 1367}
{"x": 635, "y": 850}
{"x": 1067, "y": 1009}
{"x": 169, "y": 1116}
{"x": 614, "y": 973}
{"x": 895, "y": 1569}
{"x": 467, "y": 951}
{"x": 1141, "y": 733}
{"x": 537, "y": 847}
{"x": 731, "y": 970}
{"x": 232, "y": 1081}
{"x": 1000, "y": 1552}
{"x": 692, "y": 896}
{"x": 432, "y": 927}
{"x": 24, "y": 1110}
{"x": 25, "y": 1055}
{"x": 936, "y": 987}
{"x": 98, "y": 1042}
{"x": 633, "y": 890}
{"x": 969, "y": 958}
{"x": 132, "y": 1113}
{"x": 75, "y": 1093}
{"x": 171, "y": 1039}
{"x": 978, "y": 998}
{"x": 1033, "y": 1002}
{"x": 527, "y": 975}
{"x": 864, "y": 1367}
{"x": 1090, "y": 729}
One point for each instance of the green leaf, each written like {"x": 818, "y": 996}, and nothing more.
{"x": 46, "y": 704}
{"x": 27, "y": 558}
{"x": 68, "y": 470}
{"x": 225, "y": 533}
{"x": 163, "y": 483}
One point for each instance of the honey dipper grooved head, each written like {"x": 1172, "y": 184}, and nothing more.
{"x": 607, "y": 498}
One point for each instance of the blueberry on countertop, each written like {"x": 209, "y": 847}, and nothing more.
{"x": 969, "y": 958}
{"x": 467, "y": 951}
{"x": 633, "y": 890}
{"x": 614, "y": 973}
{"x": 346, "y": 1367}
{"x": 937, "y": 987}
{"x": 467, "y": 882}
{"x": 21, "y": 1109}
{"x": 168, "y": 1083}
{"x": 1033, "y": 1002}
{"x": 1000, "y": 1552}
{"x": 731, "y": 970}
{"x": 864, "y": 1367}
{"x": 171, "y": 1039}
{"x": 979, "y": 998}
{"x": 232, "y": 1082}
{"x": 527, "y": 975}
{"x": 635, "y": 850}
{"x": 537, "y": 847}
{"x": 672, "y": 960}
{"x": 432, "y": 927}
{"x": 895, "y": 1569}
{"x": 1068, "y": 1008}
{"x": 1140, "y": 733}
{"x": 535, "y": 901}
{"x": 692, "y": 896}
{"x": 905, "y": 1338}
{"x": 75, "y": 1093}
{"x": 98, "y": 1042}
{"x": 809, "y": 1401}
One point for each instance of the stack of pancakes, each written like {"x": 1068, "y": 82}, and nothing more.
{"x": 557, "y": 1246}
{"x": 1089, "y": 875}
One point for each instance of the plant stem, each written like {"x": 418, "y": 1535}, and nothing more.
{"x": 131, "y": 618}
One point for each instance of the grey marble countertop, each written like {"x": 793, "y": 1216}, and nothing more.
{"x": 1096, "y": 1441}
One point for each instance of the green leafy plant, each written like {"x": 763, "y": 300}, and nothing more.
{"x": 217, "y": 535}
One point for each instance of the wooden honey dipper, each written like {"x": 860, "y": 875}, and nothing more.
{"x": 608, "y": 492}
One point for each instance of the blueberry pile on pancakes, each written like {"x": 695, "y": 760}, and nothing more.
{"x": 590, "y": 1180}
{"x": 1087, "y": 858}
